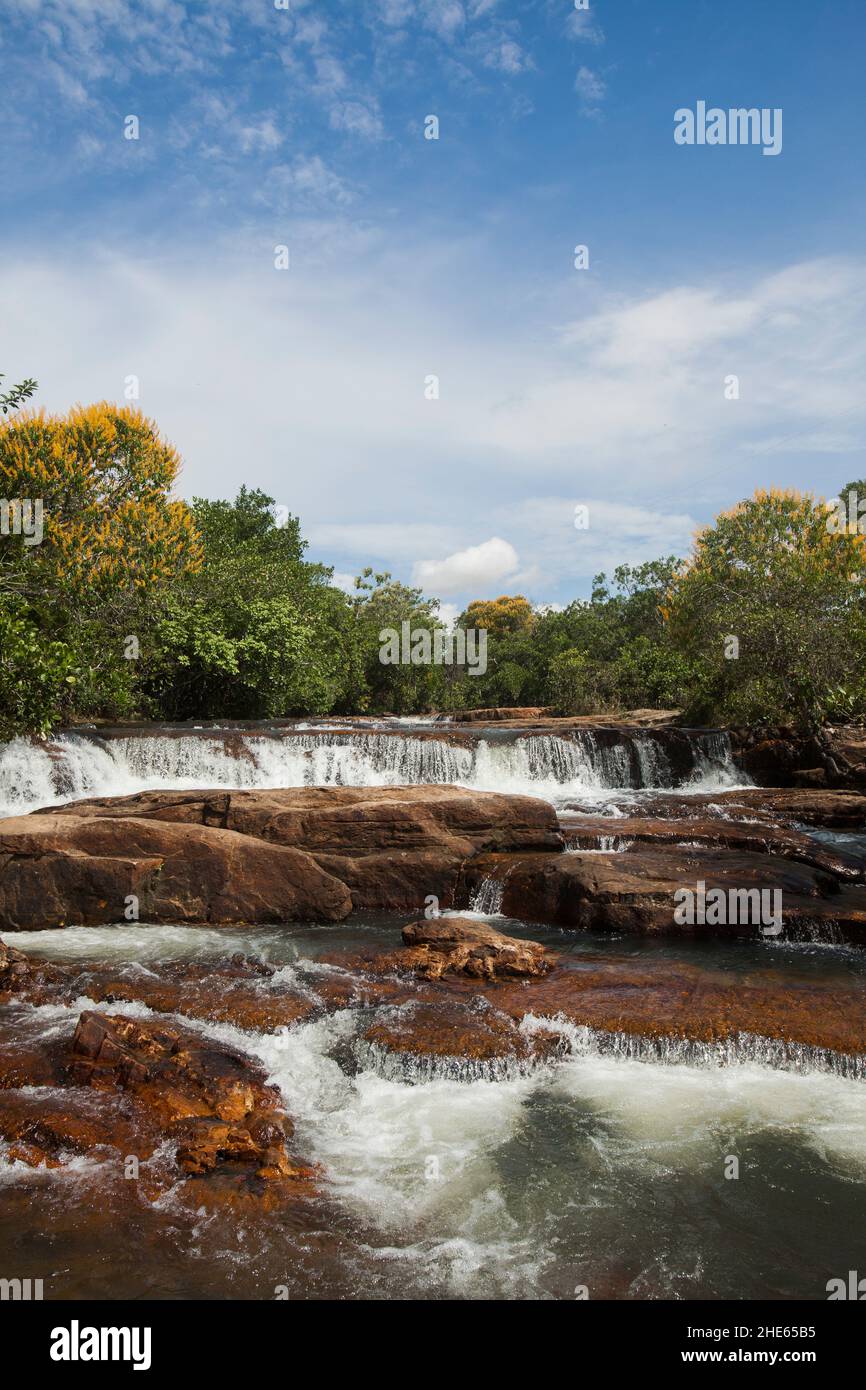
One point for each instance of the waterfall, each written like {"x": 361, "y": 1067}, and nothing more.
{"x": 741, "y": 1049}
{"x": 714, "y": 767}
{"x": 655, "y": 769}
{"x": 37, "y": 773}
{"x": 487, "y": 898}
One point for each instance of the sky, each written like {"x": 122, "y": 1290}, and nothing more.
{"x": 432, "y": 385}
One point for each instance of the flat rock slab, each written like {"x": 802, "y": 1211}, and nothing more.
{"x": 763, "y": 837}
{"x": 299, "y": 854}
{"x": 835, "y": 810}
{"x": 635, "y": 891}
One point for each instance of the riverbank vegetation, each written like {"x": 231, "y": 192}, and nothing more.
{"x": 135, "y": 605}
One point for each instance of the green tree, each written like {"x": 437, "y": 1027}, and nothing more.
{"x": 258, "y": 632}
{"x": 771, "y": 608}
{"x": 381, "y": 604}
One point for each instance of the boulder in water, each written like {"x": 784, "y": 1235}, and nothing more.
{"x": 461, "y": 946}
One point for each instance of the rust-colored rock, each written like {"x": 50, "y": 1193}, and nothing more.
{"x": 635, "y": 891}
{"x": 14, "y": 970}
{"x": 300, "y": 853}
{"x": 836, "y": 810}
{"x": 210, "y": 1099}
{"x": 448, "y": 1026}
{"x": 659, "y": 999}
{"x": 59, "y": 870}
{"x": 460, "y": 946}
{"x": 759, "y": 837}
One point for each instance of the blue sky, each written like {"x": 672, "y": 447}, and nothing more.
{"x": 304, "y": 126}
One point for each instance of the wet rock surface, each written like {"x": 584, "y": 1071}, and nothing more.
{"x": 60, "y": 870}
{"x": 460, "y": 946}
{"x": 761, "y": 837}
{"x": 310, "y": 854}
{"x": 836, "y": 810}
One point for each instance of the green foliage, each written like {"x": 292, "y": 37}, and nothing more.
{"x": 230, "y": 620}
{"x": 36, "y": 675}
{"x": 256, "y": 633}
{"x": 790, "y": 590}
{"x": 381, "y": 603}
{"x": 16, "y": 395}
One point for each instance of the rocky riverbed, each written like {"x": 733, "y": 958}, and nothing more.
{"x": 219, "y": 1004}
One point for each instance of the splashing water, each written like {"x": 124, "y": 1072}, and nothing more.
{"x": 36, "y": 774}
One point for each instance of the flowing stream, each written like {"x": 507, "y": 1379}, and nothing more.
{"x": 37, "y": 774}
{"x": 604, "y": 1171}
{"x": 599, "y": 1169}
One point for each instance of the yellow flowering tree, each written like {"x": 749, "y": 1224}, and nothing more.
{"x": 88, "y": 529}
{"x": 101, "y": 477}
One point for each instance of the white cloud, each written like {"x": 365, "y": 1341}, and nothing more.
{"x": 305, "y": 180}
{"x": 344, "y": 581}
{"x": 309, "y": 384}
{"x": 618, "y": 532}
{"x": 444, "y": 17}
{"x": 583, "y": 26}
{"x": 358, "y": 118}
{"x": 591, "y": 88}
{"x": 506, "y": 56}
{"x": 475, "y": 568}
{"x": 449, "y": 613}
{"x": 380, "y": 540}
{"x": 261, "y": 136}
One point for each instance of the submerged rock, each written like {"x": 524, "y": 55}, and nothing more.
{"x": 837, "y": 810}
{"x": 762, "y": 837}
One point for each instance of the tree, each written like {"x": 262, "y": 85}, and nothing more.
{"x": 17, "y": 395}
{"x": 102, "y": 477}
{"x": 498, "y": 616}
{"x": 381, "y": 604}
{"x": 257, "y": 632}
{"x": 36, "y": 675}
{"x": 771, "y": 607}
{"x": 91, "y": 530}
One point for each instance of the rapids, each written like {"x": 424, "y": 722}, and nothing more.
{"x": 74, "y": 765}
{"x": 603, "y": 1168}
{"x": 599, "y": 1168}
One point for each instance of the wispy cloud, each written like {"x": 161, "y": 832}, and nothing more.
{"x": 583, "y": 26}
{"x": 592, "y": 89}
{"x": 625, "y": 409}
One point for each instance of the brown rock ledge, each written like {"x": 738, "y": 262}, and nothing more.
{"x": 309, "y": 854}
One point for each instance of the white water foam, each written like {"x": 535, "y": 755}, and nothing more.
{"x": 38, "y": 774}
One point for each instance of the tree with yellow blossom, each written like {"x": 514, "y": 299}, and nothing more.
{"x": 89, "y": 529}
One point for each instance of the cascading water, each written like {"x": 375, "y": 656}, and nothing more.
{"x": 487, "y": 898}
{"x": 35, "y": 774}
{"x": 445, "y": 1176}
{"x": 714, "y": 765}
